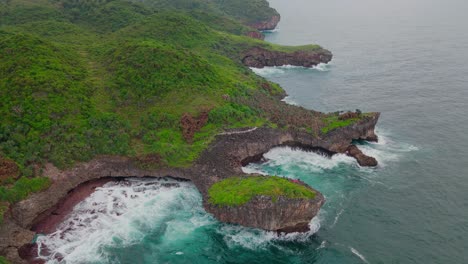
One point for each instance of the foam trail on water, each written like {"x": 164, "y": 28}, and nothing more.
{"x": 355, "y": 252}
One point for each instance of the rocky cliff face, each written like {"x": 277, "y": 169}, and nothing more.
{"x": 284, "y": 215}
{"x": 266, "y": 25}
{"x": 260, "y": 57}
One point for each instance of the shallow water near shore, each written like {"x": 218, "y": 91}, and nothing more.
{"x": 406, "y": 59}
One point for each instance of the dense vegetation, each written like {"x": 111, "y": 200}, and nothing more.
{"x": 236, "y": 191}
{"x": 82, "y": 78}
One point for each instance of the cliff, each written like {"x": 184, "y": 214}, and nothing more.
{"x": 307, "y": 57}
{"x": 282, "y": 215}
{"x": 266, "y": 25}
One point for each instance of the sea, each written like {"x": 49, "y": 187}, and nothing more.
{"x": 407, "y": 59}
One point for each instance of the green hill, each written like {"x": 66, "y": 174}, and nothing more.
{"x": 82, "y": 78}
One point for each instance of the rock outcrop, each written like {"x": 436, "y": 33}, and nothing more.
{"x": 283, "y": 215}
{"x": 267, "y": 25}
{"x": 259, "y": 57}
{"x": 361, "y": 158}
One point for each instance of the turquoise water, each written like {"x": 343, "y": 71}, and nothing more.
{"x": 406, "y": 59}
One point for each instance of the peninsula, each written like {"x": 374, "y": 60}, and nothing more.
{"x": 96, "y": 90}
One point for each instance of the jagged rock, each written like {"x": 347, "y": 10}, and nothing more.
{"x": 259, "y": 57}
{"x": 361, "y": 158}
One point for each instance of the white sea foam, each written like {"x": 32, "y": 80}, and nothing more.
{"x": 322, "y": 245}
{"x": 121, "y": 214}
{"x": 355, "y": 252}
{"x": 256, "y": 239}
{"x": 277, "y": 70}
{"x": 271, "y": 30}
{"x": 323, "y": 67}
{"x": 268, "y": 71}
{"x": 387, "y": 150}
{"x": 290, "y": 101}
{"x": 288, "y": 158}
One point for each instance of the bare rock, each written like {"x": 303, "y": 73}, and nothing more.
{"x": 361, "y": 158}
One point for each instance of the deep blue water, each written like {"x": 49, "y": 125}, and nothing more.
{"x": 406, "y": 59}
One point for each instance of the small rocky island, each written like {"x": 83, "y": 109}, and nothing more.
{"x": 267, "y": 202}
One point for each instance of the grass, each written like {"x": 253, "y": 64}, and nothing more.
{"x": 237, "y": 191}
{"x": 22, "y": 188}
{"x": 312, "y": 47}
{"x": 333, "y": 122}
{"x": 3, "y": 260}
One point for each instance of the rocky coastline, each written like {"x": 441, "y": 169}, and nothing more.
{"x": 259, "y": 57}
{"x": 224, "y": 158}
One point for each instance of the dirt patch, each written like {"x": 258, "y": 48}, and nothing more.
{"x": 190, "y": 125}
{"x": 8, "y": 169}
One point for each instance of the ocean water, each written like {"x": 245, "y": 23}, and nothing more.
{"x": 405, "y": 58}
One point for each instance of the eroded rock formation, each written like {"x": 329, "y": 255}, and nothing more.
{"x": 259, "y": 57}
{"x": 361, "y": 158}
{"x": 267, "y": 25}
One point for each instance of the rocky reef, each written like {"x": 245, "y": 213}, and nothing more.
{"x": 258, "y": 57}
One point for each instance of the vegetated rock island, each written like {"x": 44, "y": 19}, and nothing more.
{"x": 266, "y": 202}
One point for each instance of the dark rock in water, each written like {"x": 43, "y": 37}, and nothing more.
{"x": 267, "y": 25}
{"x": 259, "y": 57}
{"x": 361, "y": 158}
{"x": 283, "y": 215}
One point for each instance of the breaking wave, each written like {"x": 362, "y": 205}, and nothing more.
{"x": 277, "y": 70}
{"x": 122, "y": 214}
